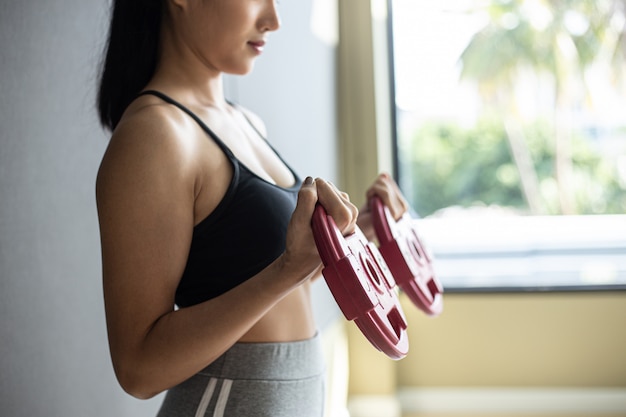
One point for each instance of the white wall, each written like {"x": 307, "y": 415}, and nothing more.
{"x": 54, "y": 358}
{"x": 292, "y": 88}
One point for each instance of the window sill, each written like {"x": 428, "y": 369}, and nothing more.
{"x": 517, "y": 253}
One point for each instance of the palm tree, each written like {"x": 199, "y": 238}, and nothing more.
{"x": 559, "y": 38}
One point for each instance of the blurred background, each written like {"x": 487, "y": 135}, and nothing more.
{"x": 504, "y": 123}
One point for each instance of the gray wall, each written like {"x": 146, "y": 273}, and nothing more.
{"x": 54, "y": 358}
{"x": 292, "y": 88}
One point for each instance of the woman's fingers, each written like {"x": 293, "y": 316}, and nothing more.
{"x": 307, "y": 197}
{"x": 300, "y": 251}
{"x": 299, "y": 231}
{"x": 342, "y": 194}
{"x": 389, "y": 192}
{"x": 337, "y": 205}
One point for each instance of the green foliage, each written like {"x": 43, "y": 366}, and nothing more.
{"x": 451, "y": 165}
{"x": 455, "y": 166}
{"x": 596, "y": 185}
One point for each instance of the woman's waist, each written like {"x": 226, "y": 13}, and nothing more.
{"x": 291, "y": 319}
{"x": 270, "y": 360}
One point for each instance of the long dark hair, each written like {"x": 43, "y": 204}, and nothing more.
{"x": 130, "y": 57}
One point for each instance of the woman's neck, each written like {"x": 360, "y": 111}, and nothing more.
{"x": 182, "y": 74}
{"x": 192, "y": 90}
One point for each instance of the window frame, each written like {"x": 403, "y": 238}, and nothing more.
{"x": 368, "y": 125}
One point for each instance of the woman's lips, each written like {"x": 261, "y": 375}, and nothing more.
{"x": 257, "y": 46}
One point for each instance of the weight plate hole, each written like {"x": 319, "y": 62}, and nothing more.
{"x": 373, "y": 271}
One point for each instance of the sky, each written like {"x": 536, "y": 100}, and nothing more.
{"x": 428, "y": 42}
{"x": 428, "y": 39}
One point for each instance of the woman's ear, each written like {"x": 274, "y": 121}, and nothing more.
{"x": 178, "y": 4}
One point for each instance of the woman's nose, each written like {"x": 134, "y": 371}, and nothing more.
{"x": 270, "y": 19}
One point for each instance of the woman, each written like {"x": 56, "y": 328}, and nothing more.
{"x": 207, "y": 248}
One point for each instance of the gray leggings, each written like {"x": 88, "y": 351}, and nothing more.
{"x": 254, "y": 380}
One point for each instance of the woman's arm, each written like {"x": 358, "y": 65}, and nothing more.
{"x": 146, "y": 191}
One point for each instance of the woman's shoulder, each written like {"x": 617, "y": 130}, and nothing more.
{"x": 149, "y": 124}
{"x": 151, "y": 137}
{"x": 148, "y": 116}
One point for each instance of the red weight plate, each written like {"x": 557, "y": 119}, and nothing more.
{"x": 362, "y": 285}
{"x": 408, "y": 259}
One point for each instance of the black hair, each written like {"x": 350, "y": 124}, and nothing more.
{"x": 130, "y": 56}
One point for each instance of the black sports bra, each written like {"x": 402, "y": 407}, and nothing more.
{"x": 243, "y": 235}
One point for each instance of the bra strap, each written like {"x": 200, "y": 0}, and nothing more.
{"x": 203, "y": 125}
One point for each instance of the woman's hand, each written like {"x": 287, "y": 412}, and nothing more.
{"x": 301, "y": 254}
{"x": 386, "y": 188}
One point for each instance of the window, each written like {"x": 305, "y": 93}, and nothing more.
{"x": 511, "y": 139}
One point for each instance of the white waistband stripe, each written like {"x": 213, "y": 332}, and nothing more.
{"x": 206, "y": 397}
{"x": 223, "y": 398}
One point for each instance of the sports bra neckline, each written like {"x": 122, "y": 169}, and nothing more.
{"x": 229, "y": 153}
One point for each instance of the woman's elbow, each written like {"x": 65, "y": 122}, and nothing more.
{"x": 135, "y": 382}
